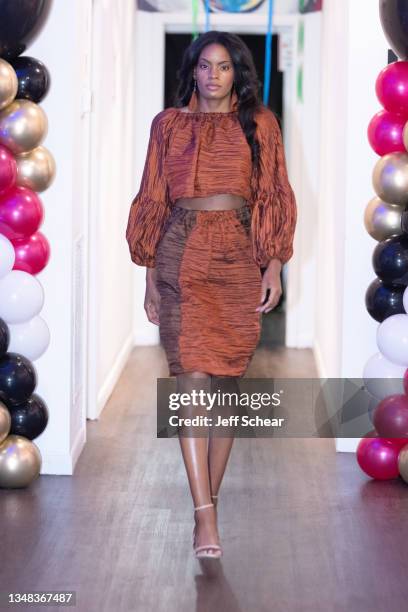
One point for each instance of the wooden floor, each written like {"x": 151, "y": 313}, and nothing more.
{"x": 303, "y": 529}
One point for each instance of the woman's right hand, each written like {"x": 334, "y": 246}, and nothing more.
{"x": 152, "y": 297}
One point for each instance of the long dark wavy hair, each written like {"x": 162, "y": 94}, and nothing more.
{"x": 246, "y": 82}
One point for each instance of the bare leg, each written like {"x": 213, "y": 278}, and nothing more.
{"x": 194, "y": 448}
{"x": 219, "y": 448}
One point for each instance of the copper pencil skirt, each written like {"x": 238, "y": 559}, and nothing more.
{"x": 209, "y": 286}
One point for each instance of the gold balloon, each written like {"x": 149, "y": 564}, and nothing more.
{"x": 5, "y": 422}
{"x": 403, "y": 463}
{"x": 20, "y": 462}
{"x": 36, "y": 169}
{"x": 405, "y": 135}
{"x": 390, "y": 178}
{"x": 23, "y": 126}
{"x": 382, "y": 220}
{"x": 8, "y": 83}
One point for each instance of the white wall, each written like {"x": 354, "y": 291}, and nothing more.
{"x": 330, "y": 230}
{"x": 367, "y": 56}
{"x": 354, "y": 51}
{"x": 57, "y": 48}
{"x": 113, "y": 183}
{"x": 304, "y": 155}
{"x": 101, "y": 178}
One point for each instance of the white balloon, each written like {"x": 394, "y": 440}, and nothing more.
{"x": 382, "y": 377}
{"x": 21, "y": 297}
{"x": 392, "y": 338}
{"x": 30, "y": 339}
{"x": 7, "y": 255}
{"x": 405, "y": 299}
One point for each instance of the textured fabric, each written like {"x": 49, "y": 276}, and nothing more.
{"x": 197, "y": 154}
{"x": 209, "y": 288}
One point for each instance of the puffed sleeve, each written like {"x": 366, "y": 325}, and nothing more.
{"x": 274, "y": 212}
{"x": 150, "y": 207}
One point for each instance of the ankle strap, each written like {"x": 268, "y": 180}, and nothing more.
{"x": 214, "y": 496}
{"x": 205, "y": 506}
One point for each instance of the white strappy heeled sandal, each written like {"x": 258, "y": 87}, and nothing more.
{"x": 206, "y": 551}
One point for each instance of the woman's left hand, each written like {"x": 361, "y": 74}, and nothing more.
{"x": 271, "y": 280}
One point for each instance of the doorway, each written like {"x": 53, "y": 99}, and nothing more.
{"x": 273, "y": 323}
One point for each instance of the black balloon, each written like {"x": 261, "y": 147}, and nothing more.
{"x": 394, "y": 20}
{"x": 4, "y": 337}
{"x": 20, "y": 23}
{"x": 30, "y": 418}
{"x": 33, "y": 78}
{"x": 390, "y": 260}
{"x": 18, "y": 378}
{"x": 384, "y": 300}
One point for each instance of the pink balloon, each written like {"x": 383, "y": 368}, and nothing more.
{"x": 8, "y": 169}
{"x": 392, "y": 87}
{"x": 398, "y": 442}
{"x": 32, "y": 253}
{"x": 378, "y": 458}
{"x": 21, "y": 212}
{"x": 390, "y": 418}
{"x": 385, "y": 132}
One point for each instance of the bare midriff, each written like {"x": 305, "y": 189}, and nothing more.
{"x": 219, "y": 201}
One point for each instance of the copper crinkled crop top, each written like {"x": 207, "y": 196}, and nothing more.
{"x": 199, "y": 153}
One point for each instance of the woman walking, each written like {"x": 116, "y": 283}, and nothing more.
{"x": 214, "y": 207}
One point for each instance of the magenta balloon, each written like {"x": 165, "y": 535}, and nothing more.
{"x": 8, "y": 169}
{"x": 398, "y": 442}
{"x": 390, "y": 418}
{"x": 32, "y": 253}
{"x": 378, "y": 458}
{"x": 392, "y": 87}
{"x": 385, "y": 132}
{"x": 21, "y": 212}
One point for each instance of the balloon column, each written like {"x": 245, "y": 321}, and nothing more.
{"x": 26, "y": 168}
{"x": 383, "y": 453}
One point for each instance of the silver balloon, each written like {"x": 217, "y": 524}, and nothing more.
{"x": 8, "y": 83}
{"x": 5, "y": 422}
{"x": 36, "y": 169}
{"x": 403, "y": 463}
{"x": 382, "y": 220}
{"x": 23, "y": 126}
{"x": 390, "y": 178}
{"x": 20, "y": 462}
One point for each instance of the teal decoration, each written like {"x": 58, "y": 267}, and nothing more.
{"x": 207, "y": 15}
{"x": 268, "y": 55}
{"x": 194, "y": 27}
{"x": 300, "y": 84}
{"x": 301, "y": 37}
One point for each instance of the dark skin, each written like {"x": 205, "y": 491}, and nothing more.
{"x": 205, "y": 467}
